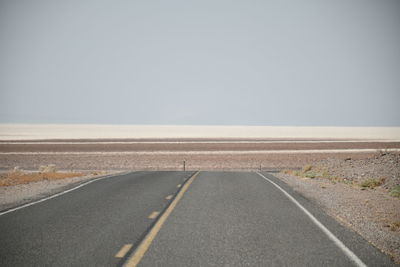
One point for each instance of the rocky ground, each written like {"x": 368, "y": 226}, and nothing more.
{"x": 155, "y": 161}
{"x": 344, "y": 189}
{"x": 383, "y": 167}
{"x": 166, "y": 154}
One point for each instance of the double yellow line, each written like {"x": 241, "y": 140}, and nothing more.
{"x": 138, "y": 254}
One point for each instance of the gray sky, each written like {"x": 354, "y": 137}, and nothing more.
{"x": 328, "y": 63}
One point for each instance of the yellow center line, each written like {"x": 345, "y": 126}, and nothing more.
{"x": 122, "y": 252}
{"x": 169, "y": 197}
{"x": 136, "y": 257}
{"x": 154, "y": 215}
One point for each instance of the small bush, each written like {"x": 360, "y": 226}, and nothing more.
{"x": 307, "y": 168}
{"x": 297, "y": 173}
{"x": 371, "y": 183}
{"x": 309, "y": 171}
{"x": 326, "y": 174}
{"x": 346, "y": 181}
{"x": 395, "y": 192}
{"x": 310, "y": 174}
{"x": 395, "y": 226}
{"x": 17, "y": 169}
{"x": 51, "y": 168}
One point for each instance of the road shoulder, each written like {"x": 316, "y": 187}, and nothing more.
{"x": 17, "y": 195}
{"x": 367, "y": 212}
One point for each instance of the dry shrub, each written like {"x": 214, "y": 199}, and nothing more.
{"x": 307, "y": 168}
{"x": 372, "y": 183}
{"x": 48, "y": 168}
{"x": 395, "y": 192}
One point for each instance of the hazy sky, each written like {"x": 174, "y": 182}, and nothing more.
{"x": 201, "y": 62}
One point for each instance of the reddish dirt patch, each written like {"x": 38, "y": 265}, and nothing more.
{"x": 15, "y": 178}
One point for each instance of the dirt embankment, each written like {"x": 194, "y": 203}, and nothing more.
{"x": 363, "y": 194}
{"x": 20, "y": 177}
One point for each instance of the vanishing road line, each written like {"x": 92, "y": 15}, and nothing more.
{"x": 350, "y": 254}
{"x": 179, "y": 185}
{"x": 122, "y": 252}
{"x": 154, "y": 215}
{"x": 138, "y": 254}
{"x": 58, "y": 194}
{"x": 169, "y": 197}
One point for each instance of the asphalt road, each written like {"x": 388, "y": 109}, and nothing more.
{"x": 240, "y": 219}
{"x": 223, "y": 219}
{"x": 88, "y": 226}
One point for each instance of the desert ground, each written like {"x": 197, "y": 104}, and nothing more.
{"x": 194, "y": 154}
{"x": 150, "y": 147}
{"x": 355, "y": 180}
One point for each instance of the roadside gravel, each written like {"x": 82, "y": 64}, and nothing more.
{"x": 373, "y": 213}
{"x": 382, "y": 166}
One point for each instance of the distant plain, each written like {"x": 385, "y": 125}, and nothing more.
{"x": 84, "y": 131}
{"x": 134, "y": 147}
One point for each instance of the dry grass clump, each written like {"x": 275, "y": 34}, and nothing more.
{"x": 395, "y": 192}
{"x": 394, "y": 226}
{"x": 307, "y": 168}
{"x": 18, "y": 176}
{"x": 48, "y": 168}
{"x": 372, "y": 183}
{"x": 359, "y": 176}
{"x": 312, "y": 172}
{"x": 309, "y": 171}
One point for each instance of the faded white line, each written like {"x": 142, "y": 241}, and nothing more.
{"x": 350, "y": 254}
{"x": 154, "y": 215}
{"x": 122, "y": 252}
{"x": 58, "y": 194}
{"x": 219, "y": 152}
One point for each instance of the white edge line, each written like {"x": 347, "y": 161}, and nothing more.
{"x": 57, "y": 194}
{"x": 350, "y": 254}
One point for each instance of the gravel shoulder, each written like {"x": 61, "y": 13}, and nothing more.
{"x": 373, "y": 213}
{"x": 16, "y": 195}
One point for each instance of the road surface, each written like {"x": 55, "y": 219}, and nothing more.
{"x": 88, "y": 226}
{"x": 217, "y": 219}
